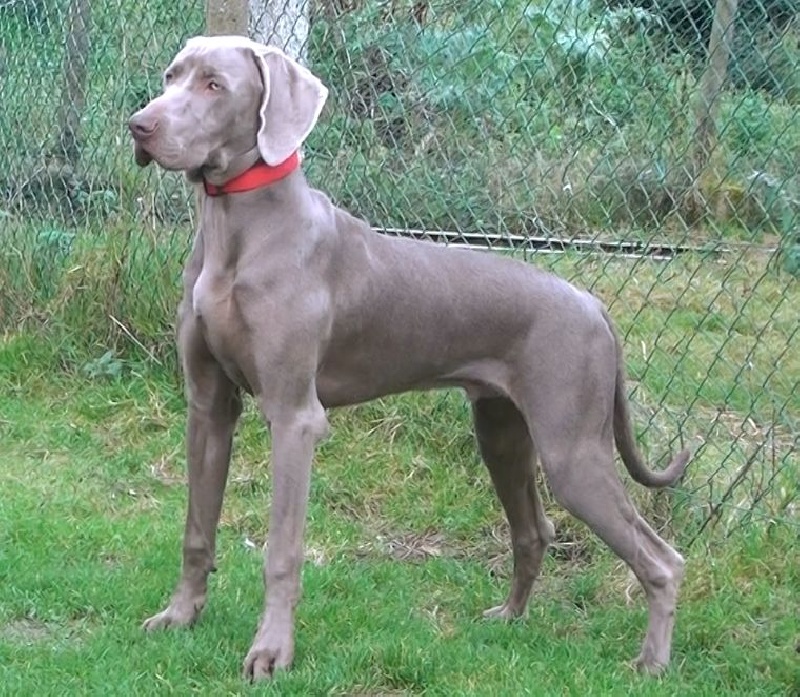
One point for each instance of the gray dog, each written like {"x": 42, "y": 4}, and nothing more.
{"x": 301, "y": 305}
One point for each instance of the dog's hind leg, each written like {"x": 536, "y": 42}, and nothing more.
{"x": 581, "y": 474}
{"x": 509, "y": 454}
{"x": 567, "y": 396}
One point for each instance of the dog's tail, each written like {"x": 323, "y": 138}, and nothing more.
{"x": 623, "y": 433}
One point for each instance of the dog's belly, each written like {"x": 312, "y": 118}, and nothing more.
{"x": 341, "y": 383}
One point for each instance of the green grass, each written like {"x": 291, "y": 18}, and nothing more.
{"x": 405, "y": 546}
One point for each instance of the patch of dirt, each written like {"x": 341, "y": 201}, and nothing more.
{"x": 26, "y": 631}
{"x": 492, "y": 544}
{"x": 747, "y": 432}
{"x": 571, "y": 546}
{"x": 165, "y": 472}
{"x": 417, "y": 547}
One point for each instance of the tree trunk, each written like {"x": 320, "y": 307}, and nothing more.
{"x": 707, "y": 105}
{"x": 73, "y": 96}
{"x": 226, "y": 17}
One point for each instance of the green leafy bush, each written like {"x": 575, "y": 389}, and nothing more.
{"x": 559, "y": 116}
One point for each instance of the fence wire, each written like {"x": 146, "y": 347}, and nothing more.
{"x": 652, "y": 144}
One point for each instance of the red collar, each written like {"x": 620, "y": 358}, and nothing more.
{"x": 259, "y": 175}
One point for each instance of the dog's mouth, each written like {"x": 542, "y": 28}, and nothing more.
{"x": 165, "y": 152}
{"x": 142, "y": 157}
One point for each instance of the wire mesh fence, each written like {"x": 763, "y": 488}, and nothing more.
{"x": 652, "y": 144}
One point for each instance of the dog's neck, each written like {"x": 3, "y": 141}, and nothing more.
{"x": 219, "y": 173}
{"x": 250, "y": 173}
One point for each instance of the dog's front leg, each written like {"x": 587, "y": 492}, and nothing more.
{"x": 214, "y": 407}
{"x": 295, "y": 433}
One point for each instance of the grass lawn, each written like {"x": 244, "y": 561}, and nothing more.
{"x": 406, "y": 544}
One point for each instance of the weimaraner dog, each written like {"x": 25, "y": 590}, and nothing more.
{"x": 301, "y": 305}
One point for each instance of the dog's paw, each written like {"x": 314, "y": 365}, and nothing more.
{"x": 179, "y": 613}
{"x": 648, "y": 665}
{"x": 272, "y": 649}
{"x": 502, "y": 612}
{"x": 261, "y": 664}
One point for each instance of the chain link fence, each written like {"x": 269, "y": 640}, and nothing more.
{"x": 646, "y": 149}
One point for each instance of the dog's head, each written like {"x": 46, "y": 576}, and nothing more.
{"x": 223, "y": 97}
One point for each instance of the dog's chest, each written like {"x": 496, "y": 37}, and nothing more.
{"x": 215, "y": 312}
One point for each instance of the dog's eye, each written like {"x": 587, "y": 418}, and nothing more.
{"x": 214, "y": 86}
{"x": 168, "y": 76}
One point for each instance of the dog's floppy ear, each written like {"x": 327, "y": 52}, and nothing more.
{"x": 292, "y": 101}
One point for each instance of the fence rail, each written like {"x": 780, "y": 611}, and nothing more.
{"x": 652, "y": 143}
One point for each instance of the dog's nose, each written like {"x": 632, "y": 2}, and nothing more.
{"x": 142, "y": 126}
